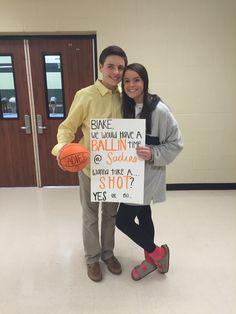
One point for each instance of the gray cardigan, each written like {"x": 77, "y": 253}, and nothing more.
{"x": 165, "y": 128}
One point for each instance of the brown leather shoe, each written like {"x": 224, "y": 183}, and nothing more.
{"x": 113, "y": 265}
{"x": 94, "y": 271}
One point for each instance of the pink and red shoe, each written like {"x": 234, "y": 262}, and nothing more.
{"x": 151, "y": 264}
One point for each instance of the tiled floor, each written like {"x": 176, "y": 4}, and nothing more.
{"x": 42, "y": 268}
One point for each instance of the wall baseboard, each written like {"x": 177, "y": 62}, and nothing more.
{"x": 201, "y": 186}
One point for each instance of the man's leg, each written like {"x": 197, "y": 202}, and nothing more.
{"x": 91, "y": 241}
{"x": 108, "y": 222}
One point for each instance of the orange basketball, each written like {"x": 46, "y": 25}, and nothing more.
{"x": 73, "y": 157}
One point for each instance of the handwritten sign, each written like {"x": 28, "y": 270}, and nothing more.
{"x": 117, "y": 174}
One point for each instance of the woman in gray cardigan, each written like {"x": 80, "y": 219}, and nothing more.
{"x": 163, "y": 144}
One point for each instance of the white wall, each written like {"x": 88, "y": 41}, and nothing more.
{"x": 189, "y": 49}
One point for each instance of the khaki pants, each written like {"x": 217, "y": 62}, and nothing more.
{"x": 94, "y": 246}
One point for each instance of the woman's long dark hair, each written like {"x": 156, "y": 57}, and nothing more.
{"x": 149, "y": 101}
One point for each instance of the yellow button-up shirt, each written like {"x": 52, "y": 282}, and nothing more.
{"x": 93, "y": 102}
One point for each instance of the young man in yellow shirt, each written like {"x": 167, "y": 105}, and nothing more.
{"x": 100, "y": 100}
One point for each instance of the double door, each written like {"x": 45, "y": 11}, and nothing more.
{"x": 38, "y": 80}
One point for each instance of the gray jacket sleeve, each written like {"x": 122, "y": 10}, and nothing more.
{"x": 169, "y": 137}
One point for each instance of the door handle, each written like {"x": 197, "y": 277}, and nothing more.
{"x": 27, "y": 126}
{"x": 40, "y": 126}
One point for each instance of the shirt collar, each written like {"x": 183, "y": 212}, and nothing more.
{"x": 103, "y": 89}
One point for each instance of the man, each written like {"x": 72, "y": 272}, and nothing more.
{"x": 101, "y": 100}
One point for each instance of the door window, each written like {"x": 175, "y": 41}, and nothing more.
{"x": 54, "y": 86}
{"x": 8, "y": 108}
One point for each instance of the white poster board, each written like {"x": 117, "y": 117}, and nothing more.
{"x": 117, "y": 174}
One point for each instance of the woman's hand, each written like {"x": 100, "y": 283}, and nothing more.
{"x": 144, "y": 152}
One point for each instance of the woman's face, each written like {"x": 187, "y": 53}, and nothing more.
{"x": 133, "y": 86}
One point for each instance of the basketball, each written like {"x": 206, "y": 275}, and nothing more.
{"x": 73, "y": 157}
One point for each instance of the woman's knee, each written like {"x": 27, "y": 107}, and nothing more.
{"x": 123, "y": 219}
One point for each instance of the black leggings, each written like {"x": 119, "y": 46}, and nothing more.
{"x": 141, "y": 233}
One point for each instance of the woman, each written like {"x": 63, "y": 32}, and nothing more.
{"x": 163, "y": 144}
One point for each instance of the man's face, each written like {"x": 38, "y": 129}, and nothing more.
{"x": 112, "y": 71}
